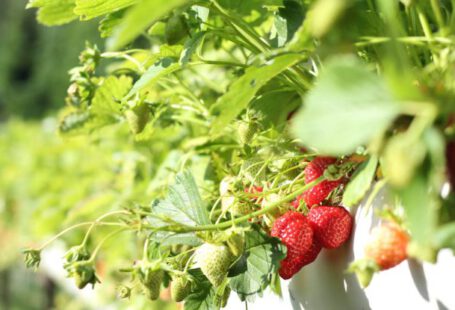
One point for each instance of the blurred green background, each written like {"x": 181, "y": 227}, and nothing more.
{"x": 34, "y": 60}
{"x": 46, "y": 182}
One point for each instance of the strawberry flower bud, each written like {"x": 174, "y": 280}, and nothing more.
{"x": 32, "y": 258}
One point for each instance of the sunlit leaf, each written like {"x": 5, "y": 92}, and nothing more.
{"x": 138, "y": 18}
{"x": 360, "y": 182}
{"x": 348, "y": 106}
{"x": 88, "y": 9}
{"x": 260, "y": 259}
{"x": 243, "y": 90}
{"x": 183, "y": 204}
{"x": 54, "y": 12}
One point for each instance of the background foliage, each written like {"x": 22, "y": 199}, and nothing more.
{"x": 152, "y": 124}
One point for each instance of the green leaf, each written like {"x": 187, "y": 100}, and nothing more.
{"x": 347, "y": 108}
{"x": 360, "y": 182}
{"x": 420, "y": 206}
{"x": 74, "y": 121}
{"x": 183, "y": 204}
{"x": 436, "y": 146}
{"x": 325, "y": 13}
{"x": 109, "y": 22}
{"x": 243, "y": 90}
{"x": 287, "y": 21}
{"x": 161, "y": 68}
{"x": 274, "y": 113}
{"x": 82, "y": 122}
{"x": 108, "y": 96}
{"x": 191, "y": 46}
{"x": 54, "y": 12}
{"x": 88, "y": 9}
{"x": 104, "y": 109}
{"x": 138, "y": 18}
{"x": 403, "y": 154}
{"x": 245, "y": 7}
{"x": 444, "y": 237}
{"x": 260, "y": 259}
{"x": 202, "y": 293}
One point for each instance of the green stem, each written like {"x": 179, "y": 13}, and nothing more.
{"x": 424, "y": 24}
{"x": 257, "y": 45}
{"x": 416, "y": 40}
{"x": 98, "y": 247}
{"x": 133, "y": 60}
{"x": 45, "y": 244}
{"x": 228, "y": 224}
{"x": 438, "y": 14}
{"x": 223, "y": 63}
{"x": 145, "y": 250}
{"x": 97, "y": 221}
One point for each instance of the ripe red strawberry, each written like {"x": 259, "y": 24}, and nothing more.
{"x": 314, "y": 170}
{"x": 387, "y": 245}
{"x": 294, "y": 231}
{"x": 316, "y": 167}
{"x": 332, "y": 226}
{"x": 312, "y": 253}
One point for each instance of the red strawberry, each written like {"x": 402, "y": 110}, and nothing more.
{"x": 316, "y": 167}
{"x": 319, "y": 193}
{"x": 450, "y": 158}
{"x": 387, "y": 245}
{"x": 332, "y": 226}
{"x": 294, "y": 231}
{"x": 312, "y": 253}
{"x": 314, "y": 170}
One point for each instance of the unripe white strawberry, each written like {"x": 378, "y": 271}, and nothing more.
{"x": 214, "y": 261}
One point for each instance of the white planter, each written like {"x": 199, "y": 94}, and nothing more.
{"x": 323, "y": 285}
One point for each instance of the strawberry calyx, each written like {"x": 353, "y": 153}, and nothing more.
{"x": 364, "y": 269}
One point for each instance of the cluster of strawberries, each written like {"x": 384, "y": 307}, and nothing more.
{"x": 323, "y": 227}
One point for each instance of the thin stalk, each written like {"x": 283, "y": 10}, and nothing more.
{"x": 84, "y": 242}
{"x": 98, "y": 247}
{"x": 438, "y": 13}
{"x": 228, "y": 224}
{"x": 425, "y": 27}
{"x": 45, "y": 244}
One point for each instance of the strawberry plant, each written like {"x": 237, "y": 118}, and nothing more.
{"x": 260, "y": 125}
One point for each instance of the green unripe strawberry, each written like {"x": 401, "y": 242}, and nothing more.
{"x": 137, "y": 117}
{"x": 240, "y": 208}
{"x": 214, "y": 261}
{"x": 232, "y": 205}
{"x": 253, "y": 169}
{"x": 150, "y": 281}
{"x": 76, "y": 254}
{"x": 180, "y": 288}
{"x": 176, "y": 29}
{"x": 246, "y": 131}
{"x": 229, "y": 203}
{"x": 83, "y": 275}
